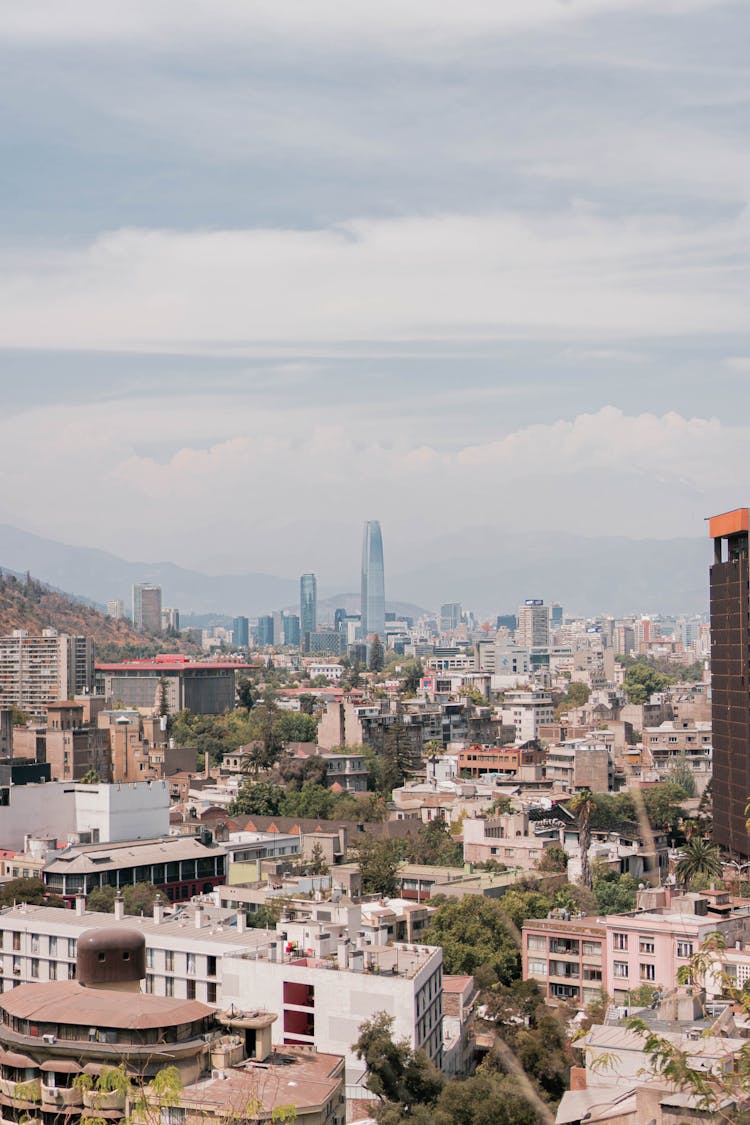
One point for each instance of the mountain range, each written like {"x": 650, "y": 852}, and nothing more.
{"x": 485, "y": 568}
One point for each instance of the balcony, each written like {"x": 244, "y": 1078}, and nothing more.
{"x": 61, "y": 1096}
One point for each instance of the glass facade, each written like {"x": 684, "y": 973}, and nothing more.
{"x": 308, "y": 604}
{"x": 373, "y": 581}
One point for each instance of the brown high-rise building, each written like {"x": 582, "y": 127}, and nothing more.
{"x": 730, "y": 679}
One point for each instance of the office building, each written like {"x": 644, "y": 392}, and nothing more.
{"x": 291, "y": 626}
{"x": 730, "y": 679}
{"x": 450, "y": 617}
{"x": 308, "y": 605}
{"x": 533, "y": 624}
{"x": 147, "y": 607}
{"x": 240, "y": 632}
{"x": 265, "y": 630}
{"x": 116, "y": 608}
{"x": 35, "y": 671}
{"x": 373, "y": 581}
{"x": 170, "y": 619}
{"x": 556, "y": 615}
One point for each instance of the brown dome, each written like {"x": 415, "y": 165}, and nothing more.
{"x": 111, "y": 956}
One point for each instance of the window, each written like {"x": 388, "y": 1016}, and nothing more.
{"x": 169, "y": 986}
{"x": 191, "y": 990}
{"x": 590, "y": 973}
{"x": 646, "y": 945}
{"x": 71, "y": 947}
{"x": 16, "y": 941}
{"x": 620, "y": 941}
{"x": 191, "y": 964}
{"x": 149, "y": 958}
{"x": 169, "y": 960}
{"x": 536, "y": 943}
{"x": 53, "y": 946}
{"x": 53, "y": 970}
{"x": 211, "y": 966}
{"x": 35, "y": 966}
{"x": 537, "y": 967}
{"x": 684, "y": 949}
{"x": 592, "y": 949}
{"x": 211, "y": 993}
{"x": 620, "y": 969}
{"x": 648, "y": 972}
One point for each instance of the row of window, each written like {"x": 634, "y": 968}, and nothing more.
{"x": 11, "y": 940}
{"x": 647, "y": 945}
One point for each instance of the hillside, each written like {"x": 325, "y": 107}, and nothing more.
{"x": 28, "y": 604}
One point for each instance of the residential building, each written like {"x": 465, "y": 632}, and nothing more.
{"x": 533, "y": 624}
{"x": 35, "y": 671}
{"x": 513, "y": 763}
{"x": 241, "y": 632}
{"x": 373, "y": 581}
{"x": 6, "y": 732}
{"x": 95, "y": 1017}
{"x": 308, "y": 605}
{"x": 327, "y": 669}
{"x": 507, "y": 838}
{"x": 346, "y": 771}
{"x": 526, "y": 711}
{"x": 581, "y": 763}
{"x": 116, "y": 608}
{"x": 180, "y": 866}
{"x": 170, "y": 619}
{"x": 730, "y": 679}
{"x": 566, "y": 957}
{"x": 147, "y": 607}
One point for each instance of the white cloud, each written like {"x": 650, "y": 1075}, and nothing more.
{"x": 442, "y": 277}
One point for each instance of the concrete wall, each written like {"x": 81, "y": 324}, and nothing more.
{"x": 125, "y": 811}
{"x": 47, "y": 809}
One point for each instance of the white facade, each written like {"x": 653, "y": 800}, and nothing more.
{"x": 526, "y": 711}
{"x": 64, "y": 810}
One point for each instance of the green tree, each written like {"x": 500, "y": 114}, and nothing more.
{"x": 295, "y": 726}
{"x": 246, "y": 694}
{"x": 699, "y": 857}
{"x": 414, "y": 673}
{"x": 91, "y": 777}
{"x": 101, "y": 900}
{"x": 32, "y": 891}
{"x": 259, "y": 798}
{"x": 642, "y": 680}
{"x": 582, "y": 806}
{"x": 615, "y": 894}
{"x": 395, "y": 1073}
{"x": 477, "y": 936}
{"x": 396, "y": 760}
{"x": 554, "y": 859}
{"x": 435, "y": 845}
{"x": 317, "y": 864}
{"x": 680, "y": 773}
{"x": 378, "y": 862}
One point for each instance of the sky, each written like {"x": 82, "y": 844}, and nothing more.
{"x": 270, "y": 269}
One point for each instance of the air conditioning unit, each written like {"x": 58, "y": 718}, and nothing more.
{"x": 49, "y": 1038}
{"x": 218, "y": 1075}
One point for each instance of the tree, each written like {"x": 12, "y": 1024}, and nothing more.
{"x": 397, "y": 758}
{"x": 261, "y": 798}
{"x": 101, "y": 900}
{"x": 642, "y": 680}
{"x": 554, "y": 859}
{"x": 478, "y": 937}
{"x": 91, "y": 777}
{"x": 663, "y": 806}
{"x": 138, "y": 898}
{"x": 378, "y": 863}
{"x": 582, "y": 806}
{"x": 246, "y": 694}
{"x": 377, "y": 656}
{"x": 576, "y": 696}
{"x": 680, "y": 773}
{"x": 699, "y": 857}
{"x": 295, "y": 726}
{"x": 395, "y": 1073}
{"x": 163, "y": 698}
{"x": 317, "y": 864}
{"x": 435, "y": 845}
{"x": 32, "y": 891}
{"x": 414, "y": 673}
{"x": 615, "y": 894}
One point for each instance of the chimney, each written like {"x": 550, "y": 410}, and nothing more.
{"x": 199, "y": 919}
{"x": 80, "y": 905}
{"x": 343, "y": 953}
{"x": 119, "y": 907}
{"x": 158, "y": 912}
{"x": 241, "y": 921}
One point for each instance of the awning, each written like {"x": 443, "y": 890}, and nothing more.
{"x": 62, "y": 1066}
{"x": 21, "y": 1062}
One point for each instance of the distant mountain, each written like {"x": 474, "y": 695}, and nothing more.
{"x": 486, "y": 568}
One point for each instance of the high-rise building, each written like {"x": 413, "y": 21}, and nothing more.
{"x": 450, "y": 617}
{"x": 170, "y": 619}
{"x": 265, "y": 632}
{"x": 556, "y": 615}
{"x": 116, "y": 608}
{"x": 373, "y": 581}
{"x": 291, "y": 626}
{"x": 147, "y": 607}
{"x": 35, "y": 671}
{"x": 241, "y": 632}
{"x": 308, "y": 605}
{"x": 533, "y": 624}
{"x": 730, "y": 679}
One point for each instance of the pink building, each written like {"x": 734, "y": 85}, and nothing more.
{"x": 566, "y": 958}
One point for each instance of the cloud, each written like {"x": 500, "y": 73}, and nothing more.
{"x": 447, "y": 277}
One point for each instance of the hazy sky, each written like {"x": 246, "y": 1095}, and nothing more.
{"x": 269, "y": 269}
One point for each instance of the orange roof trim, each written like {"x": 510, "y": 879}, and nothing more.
{"x": 728, "y": 523}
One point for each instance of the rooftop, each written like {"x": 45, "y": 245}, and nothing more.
{"x": 292, "y": 1076}
{"x": 70, "y": 1002}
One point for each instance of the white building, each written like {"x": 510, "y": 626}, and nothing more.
{"x": 533, "y": 624}
{"x": 526, "y": 711}
{"x": 67, "y": 811}
{"x": 320, "y": 974}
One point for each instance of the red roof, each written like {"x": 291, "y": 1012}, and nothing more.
{"x": 170, "y": 662}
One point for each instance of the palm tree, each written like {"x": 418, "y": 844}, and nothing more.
{"x": 582, "y": 806}
{"x": 699, "y": 857}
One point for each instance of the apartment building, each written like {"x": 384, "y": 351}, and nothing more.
{"x": 319, "y": 974}
{"x": 566, "y": 957}
{"x": 37, "y": 670}
{"x": 514, "y": 763}
{"x": 581, "y": 763}
{"x": 526, "y": 711}
{"x": 507, "y": 838}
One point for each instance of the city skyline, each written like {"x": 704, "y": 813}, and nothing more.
{"x": 563, "y": 314}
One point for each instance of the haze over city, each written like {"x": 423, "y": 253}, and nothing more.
{"x": 270, "y": 269}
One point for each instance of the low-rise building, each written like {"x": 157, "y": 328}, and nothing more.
{"x": 566, "y": 957}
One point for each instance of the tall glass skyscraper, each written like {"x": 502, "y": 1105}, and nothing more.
{"x": 373, "y": 581}
{"x": 308, "y": 604}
